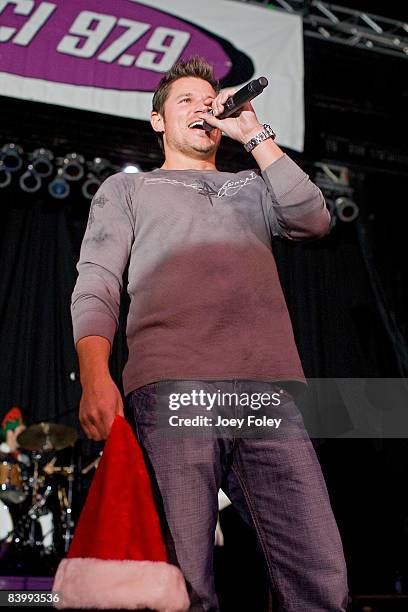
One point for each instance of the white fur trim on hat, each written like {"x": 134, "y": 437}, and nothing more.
{"x": 101, "y": 584}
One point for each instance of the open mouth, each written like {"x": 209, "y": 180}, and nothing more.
{"x": 197, "y": 125}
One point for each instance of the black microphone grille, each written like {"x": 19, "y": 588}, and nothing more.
{"x": 258, "y": 85}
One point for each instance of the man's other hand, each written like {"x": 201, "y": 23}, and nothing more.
{"x": 101, "y": 401}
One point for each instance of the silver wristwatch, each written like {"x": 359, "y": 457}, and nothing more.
{"x": 266, "y": 133}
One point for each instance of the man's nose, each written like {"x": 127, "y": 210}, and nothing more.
{"x": 203, "y": 108}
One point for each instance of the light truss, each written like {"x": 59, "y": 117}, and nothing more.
{"x": 346, "y": 26}
{"x": 334, "y": 181}
{"x": 332, "y": 177}
{"x": 356, "y": 29}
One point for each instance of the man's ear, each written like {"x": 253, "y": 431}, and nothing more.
{"x": 157, "y": 121}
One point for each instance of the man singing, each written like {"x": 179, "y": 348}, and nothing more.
{"x": 207, "y": 314}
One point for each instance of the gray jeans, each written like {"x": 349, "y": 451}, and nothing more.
{"x": 276, "y": 477}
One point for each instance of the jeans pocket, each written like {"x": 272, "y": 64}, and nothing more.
{"x": 144, "y": 406}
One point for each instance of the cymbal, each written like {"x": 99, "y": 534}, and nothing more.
{"x": 47, "y": 436}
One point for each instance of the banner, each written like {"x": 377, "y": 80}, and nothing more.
{"x": 108, "y": 56}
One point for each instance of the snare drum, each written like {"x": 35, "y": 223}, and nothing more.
{"x": 12, "y": 486}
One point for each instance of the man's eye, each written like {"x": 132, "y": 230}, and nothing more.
{"x": 185, "y": 99}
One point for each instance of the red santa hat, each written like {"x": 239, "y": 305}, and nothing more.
{"x": 117, "y": 557}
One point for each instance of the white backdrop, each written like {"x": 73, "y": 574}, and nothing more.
{"x": 272, "y": 39}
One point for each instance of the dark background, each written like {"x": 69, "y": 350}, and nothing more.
{"x": 356, "y": 103}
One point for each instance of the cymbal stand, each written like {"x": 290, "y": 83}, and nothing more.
{"x": 67, "y": 521}
{"x": 35, "y": 512}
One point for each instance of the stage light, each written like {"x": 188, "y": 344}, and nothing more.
{"x": 5, "y": 176}
{"x": 90, "y": 187}
{"x": 11, "y": 157}
{"x": 132, "y": 169}
{"x": 59, "y": 188}
{"x": 102, "y": 168}
{"x": 62, "y": 171}
{"x": 346, "y": 210}
{"x": 73, "y": 167}
{"x": 42, "y": 162}
{"x": 30, "y": 181}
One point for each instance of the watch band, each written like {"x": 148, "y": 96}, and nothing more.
{"x": 266, "y": 133}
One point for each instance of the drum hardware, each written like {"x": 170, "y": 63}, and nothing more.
{"x": 50, "y": 466}
{"x": 34, "y": 513}
{"x": 93, "y": 464}
{"x": 35, "y": 528}
{"x": 65, "y": 470}
{"x": 41, "y": 518}
{"x": 35, "y": 478}
{"x": 67, "y": 523}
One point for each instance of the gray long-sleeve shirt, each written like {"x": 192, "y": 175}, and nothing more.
{"x": 206, "y": 301}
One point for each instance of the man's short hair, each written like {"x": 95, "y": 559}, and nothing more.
{"x": 195, "y": 66}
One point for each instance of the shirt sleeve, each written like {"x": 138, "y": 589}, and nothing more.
{"x": 104, "y": 254}
{"x": 295, "y": 205}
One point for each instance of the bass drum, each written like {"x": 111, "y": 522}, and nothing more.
{"x": 6, "y": 524}
{"x": 6, "y": 529}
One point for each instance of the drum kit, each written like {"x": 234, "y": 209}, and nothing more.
{"x": 36, "y": 494}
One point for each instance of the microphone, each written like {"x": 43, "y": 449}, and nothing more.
{"x": 241, "y": 97}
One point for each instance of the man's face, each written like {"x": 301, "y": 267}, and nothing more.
{"x": 187, "y": 97}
